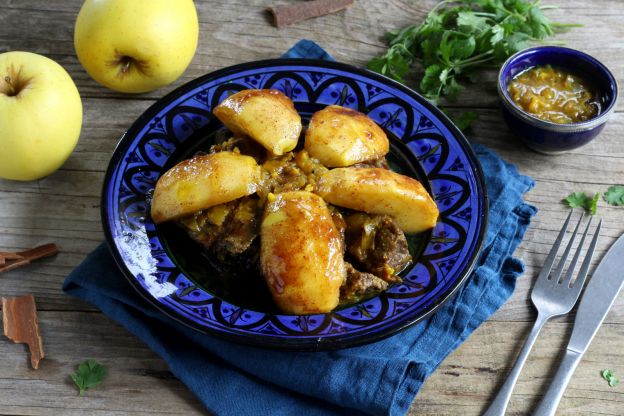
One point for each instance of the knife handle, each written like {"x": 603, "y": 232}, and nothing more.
{"x": 550, "y": 402}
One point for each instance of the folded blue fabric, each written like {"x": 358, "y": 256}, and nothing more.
{"x": 381, "y": 378}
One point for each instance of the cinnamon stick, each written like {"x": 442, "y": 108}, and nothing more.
{"x": 284, "y": 15}
{"x": 19, "y": 319}
{"x": 10, "y": 261}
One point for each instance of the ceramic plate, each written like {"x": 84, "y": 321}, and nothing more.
{"x": 169, "y": 270}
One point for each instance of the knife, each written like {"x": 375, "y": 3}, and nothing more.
{"x": 598, "y": 298}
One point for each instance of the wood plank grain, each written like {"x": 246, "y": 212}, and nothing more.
{"x": 139, "y": 382}
{"x": 234, "y": 32}
{"x": 469, "y": 378}
{"x": 64, "y": 208}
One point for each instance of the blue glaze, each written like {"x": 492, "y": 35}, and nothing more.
{"x": 545, "y": 136}
{"x": 421, "y": 136}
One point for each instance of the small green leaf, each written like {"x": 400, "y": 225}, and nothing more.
{"x": 463, "y": 48}
{"x": 465, "y": 119}
{"x": 378, "y": 64}
{"x": 576, "y": 199}
{"x": 498, "y": 34}
{"x": 582, "y": 200}
{"x": 615, "y": 195}
{"x": 471, "y": 23}
{"x": 610, "y": 377}
{"x": 452, "y": 89}
{"x": 89, "y": 374}
{"x": 431, "y": 83}
{"x": 593, "y": 203}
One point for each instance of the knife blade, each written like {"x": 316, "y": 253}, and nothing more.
{"x": 599, "y": 296}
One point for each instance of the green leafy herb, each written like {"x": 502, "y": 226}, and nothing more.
{"x": 610, "y": 377}
{"x": 464, "y": 120}
{"x": 615, "y": 195}
{"x": 458, "y": 37}
{"x": 89, "y": 374}
{"x": 577, "y": 199}
{"x": 582, "y": 200}
{"x": 593, "y": 204}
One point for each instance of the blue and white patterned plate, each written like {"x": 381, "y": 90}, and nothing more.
{"x": 173, "y": 274}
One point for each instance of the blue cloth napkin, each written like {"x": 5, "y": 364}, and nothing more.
{"x": 381, "y": 378}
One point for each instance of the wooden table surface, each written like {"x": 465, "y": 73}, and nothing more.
{"x": 65, "y": 208}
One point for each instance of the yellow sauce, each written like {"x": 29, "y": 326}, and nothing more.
{"x": 554, "y": 95}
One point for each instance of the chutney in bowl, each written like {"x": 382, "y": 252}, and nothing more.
{"x": 574, "y": 79}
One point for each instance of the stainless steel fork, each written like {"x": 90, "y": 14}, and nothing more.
{"x": 551, "y": 296}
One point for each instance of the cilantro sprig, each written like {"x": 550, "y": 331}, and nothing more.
{"x": 582, "y": 200}
{"x": 610, "y": 377}
{"x": 615, "y": 195}
{"x": 89, "y": 375}
{"x": 457, "y": 38}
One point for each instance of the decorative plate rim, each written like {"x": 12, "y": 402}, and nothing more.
{"x": 281, "y": 343}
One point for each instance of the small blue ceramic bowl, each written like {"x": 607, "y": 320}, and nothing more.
{"x": 545, "y": 136}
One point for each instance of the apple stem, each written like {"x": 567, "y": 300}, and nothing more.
{"x": 126, "y": 63}
{"x": 11, "y": 92}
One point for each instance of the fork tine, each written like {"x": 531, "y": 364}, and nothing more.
{"x": 580, "y": 279}
{"x": 577, "y": 254}
{"x": 553, "y": 251}
{"x": 557, "y": 273}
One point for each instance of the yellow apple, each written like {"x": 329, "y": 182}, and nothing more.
{"x": 40, "y": 116}
{"x": 136, "y": 45}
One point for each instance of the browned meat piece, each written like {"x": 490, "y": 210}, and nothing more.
{"x": 391, "y": 249}
{"x": 359, "y": 286}
{"x": 207, "y": 225}
{"x": 339, "y": 222}
{"x": 244, "y": 144}
{"x": 239, "y": 229}
{"x": 290, "y": 172}
{"x": 377, "y": 163}
{"x": 227, "y": 230}
{"x": 377, "y": 245}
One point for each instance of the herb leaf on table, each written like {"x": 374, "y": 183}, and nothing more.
{"x": 89, "y": 375}
{"x": 615, "y": 195}
{"x": 582, "y": 200}
{"x": 457, "y": 38}
{"x": 610, "y": 377}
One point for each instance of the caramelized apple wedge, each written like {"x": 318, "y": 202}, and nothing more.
{"x": 381, "y": 191}
{"x": 202, "y": 182}
{"x": 301, "y": 253}
{"x": 339, "y": 136}
{"x": 267, "y": 116}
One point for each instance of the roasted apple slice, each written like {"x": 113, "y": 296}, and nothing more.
{"x": 202, "y": 182}
{"x": 339, "y": 136}
{"x": 301, "y": 253}
{"x": 380, "y": 191}
{"x": 267, "y": 116}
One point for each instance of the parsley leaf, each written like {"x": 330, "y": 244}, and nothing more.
{"x": 460, "y": 37}
{"x": 582, "y": 200}
{"x": 593, "y": 203}
{"x": 464, "y": 120}
{"x": 610, "y": 377}
{"x": 576, "y": 199}
{"x": 89, "y": 374}
{"x": 615, "y": 195}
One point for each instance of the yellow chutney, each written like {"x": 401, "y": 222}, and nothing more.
{"x": 554, "y": 95}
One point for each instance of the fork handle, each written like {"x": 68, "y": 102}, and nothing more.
{"x": 550, "y": 402}
{"x": 499, "y": 405}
